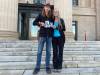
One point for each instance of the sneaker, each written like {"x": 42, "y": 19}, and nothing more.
{"x": 36, "y": 71}
{"x": 48, "y": 70}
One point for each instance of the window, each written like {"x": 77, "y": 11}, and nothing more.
{"x": 74, "y": 28}
{"x": 75, "y": 2}
{"x": 39, "y": 1}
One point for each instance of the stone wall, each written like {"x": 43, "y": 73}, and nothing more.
{"x": 85, "y": 15}
{"x": 86, "y": 24}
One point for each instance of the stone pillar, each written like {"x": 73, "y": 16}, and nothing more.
{"x": 8, "y": 19}
{"x": 98, "y": 19}
{"x": 65, "y": 9}
{"x": 93, "y": 3}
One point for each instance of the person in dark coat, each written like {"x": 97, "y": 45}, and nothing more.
{"x": 58, "y": 41}
{"x": 44, "y": 21}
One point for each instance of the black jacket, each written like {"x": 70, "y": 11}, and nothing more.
{"x": 62, "y": 30}
{"x": 43, "y": 32}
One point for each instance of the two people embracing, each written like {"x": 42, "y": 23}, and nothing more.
{"x": 51, "y": 34}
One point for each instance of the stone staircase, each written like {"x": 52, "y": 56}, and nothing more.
{"x": 19, "y": 58}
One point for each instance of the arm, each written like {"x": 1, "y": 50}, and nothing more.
{"x": 36, "y": 21}
{"x": 62, "y": 27}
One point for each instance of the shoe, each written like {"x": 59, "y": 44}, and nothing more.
{"x": 55, "y": 70}
{"x": 48, "y": 70}
{"x": 36, "y": 71}
{"x": 59, "y": 70}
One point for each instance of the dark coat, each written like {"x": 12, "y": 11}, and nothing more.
{"x": 43, "y": 32}
{"x": 62, "y": 30}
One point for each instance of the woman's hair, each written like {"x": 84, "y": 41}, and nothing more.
{"x": 58, "y": 16}
{"x": 49, "y": 12}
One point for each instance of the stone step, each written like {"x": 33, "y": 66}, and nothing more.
{"x": 35, "y": 41}
{"x": 17, "y": 58}
{"x": 18, "y": 41}
{"x": 34, "y": 53}
{"x": 15, "y": 45}
{"x": 80, "y": 42}
{"x": 80, "y": 49}
{"x": 35, "y": 49}
{"x": 81, "y": 64}
{"x": 33, "y": 58}
{"x": 77, "y": 46}
{"x": 74, "y": 49}
{"x": 35, "y": 46}
{"x": 10, "y": 45}
{"x": 25, "y": 53}
{"x": 15, "y": 49}
{"x": 32, "y": 44}
{"x": 31, "y": 65}
{"x": 11, "y": 72}
{"x": 70, "y": 71}
{"x": 65, "y": 71}
{"x": 74, "y": 52}
{"x": 67, "y": 43}
{"x": 30, "y": 53}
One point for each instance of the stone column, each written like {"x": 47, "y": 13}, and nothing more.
{"x": 98, "y": 19}
{"x": 8, "y": 19}
{"x": 65, "y": 9}
{"x": 92, "y": 3}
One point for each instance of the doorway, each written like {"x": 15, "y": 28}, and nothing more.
{"x": 75, "y": 29}
{"x": 26, "y": 16}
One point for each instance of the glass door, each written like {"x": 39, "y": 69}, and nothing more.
{"x": 33, "y": 30}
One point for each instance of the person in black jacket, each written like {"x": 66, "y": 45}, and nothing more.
{"x": 58, "y": 41}
{"x": 45, "y": 22}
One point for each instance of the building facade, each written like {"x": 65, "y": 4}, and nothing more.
{"x": 86, "y": 19}
{"x": 82, "y": 18}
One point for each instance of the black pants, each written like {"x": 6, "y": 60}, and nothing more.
{"x": 58, "y": 45}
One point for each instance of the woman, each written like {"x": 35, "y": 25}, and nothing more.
{"x": 58, "y": 41}
{"x": 44, "y": 21}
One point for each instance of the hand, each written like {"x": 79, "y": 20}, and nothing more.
{"x": 60, "y": 27}
{"x": 41, "y": 24}
{"x": 54, "y": 27}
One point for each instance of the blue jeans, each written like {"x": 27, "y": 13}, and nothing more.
{"x": 41, "y": 42}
